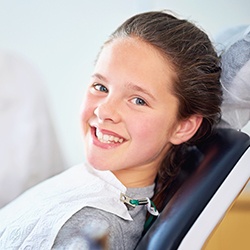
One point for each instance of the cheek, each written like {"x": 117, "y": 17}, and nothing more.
{"x": 149, "y": 129}
{"x": 87, "y": 110}
{"x": 157, "y": 130}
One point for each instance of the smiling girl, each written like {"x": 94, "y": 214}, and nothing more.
{"x": 129, "y": 114}
{"x": 154, "y": 91}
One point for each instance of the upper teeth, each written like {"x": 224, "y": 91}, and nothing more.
{"x": 107, "y": 138}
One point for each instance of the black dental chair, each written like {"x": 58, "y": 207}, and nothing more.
{"x": 211, "y": 179}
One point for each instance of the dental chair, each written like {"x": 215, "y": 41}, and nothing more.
{"x": 210, "y": 180}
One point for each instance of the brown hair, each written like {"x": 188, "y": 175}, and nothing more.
{"x": 197, "y": 85}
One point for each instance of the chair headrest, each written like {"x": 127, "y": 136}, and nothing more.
{"x": 201, "y": 176}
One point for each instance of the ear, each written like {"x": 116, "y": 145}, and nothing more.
{"x": 186, "y": 129}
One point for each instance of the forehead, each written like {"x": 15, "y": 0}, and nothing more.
{"x": 136, "y": 59}
{"x": 130, "y": 45}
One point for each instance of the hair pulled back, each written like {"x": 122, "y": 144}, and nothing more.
{"x": 196, "y": 86}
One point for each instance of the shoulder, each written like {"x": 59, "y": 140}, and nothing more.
{"x": 95, "y": 224}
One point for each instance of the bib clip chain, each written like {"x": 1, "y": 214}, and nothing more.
{"x": 138, "y": 202}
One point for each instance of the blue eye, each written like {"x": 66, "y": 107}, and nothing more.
{"x": 100, "y": 88}
{"x": 139, "y": 101}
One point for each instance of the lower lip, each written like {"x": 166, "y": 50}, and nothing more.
{"x": 102, "y": 145}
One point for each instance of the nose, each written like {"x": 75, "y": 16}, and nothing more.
{"x": 108, "y": 111}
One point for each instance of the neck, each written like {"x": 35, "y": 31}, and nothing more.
{"x": 135, "y": 178}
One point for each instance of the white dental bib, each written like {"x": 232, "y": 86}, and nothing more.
{"x": 33, "y": 220}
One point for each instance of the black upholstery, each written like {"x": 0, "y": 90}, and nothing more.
{"x": 202, "y": 175}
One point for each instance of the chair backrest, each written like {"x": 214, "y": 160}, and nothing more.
{"x": 204, "y": 176}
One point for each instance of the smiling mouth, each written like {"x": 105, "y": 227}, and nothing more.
{"x": 105, "y": 138}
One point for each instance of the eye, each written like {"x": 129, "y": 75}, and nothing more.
{"x": 100, "y": 87}
{"x": 139, "y": 101}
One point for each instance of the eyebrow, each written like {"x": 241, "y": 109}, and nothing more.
{"x": 135, "y": 87}
{"x": 101, "y": 77}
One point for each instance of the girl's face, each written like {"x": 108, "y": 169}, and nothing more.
{"x": 129, "y": 113}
